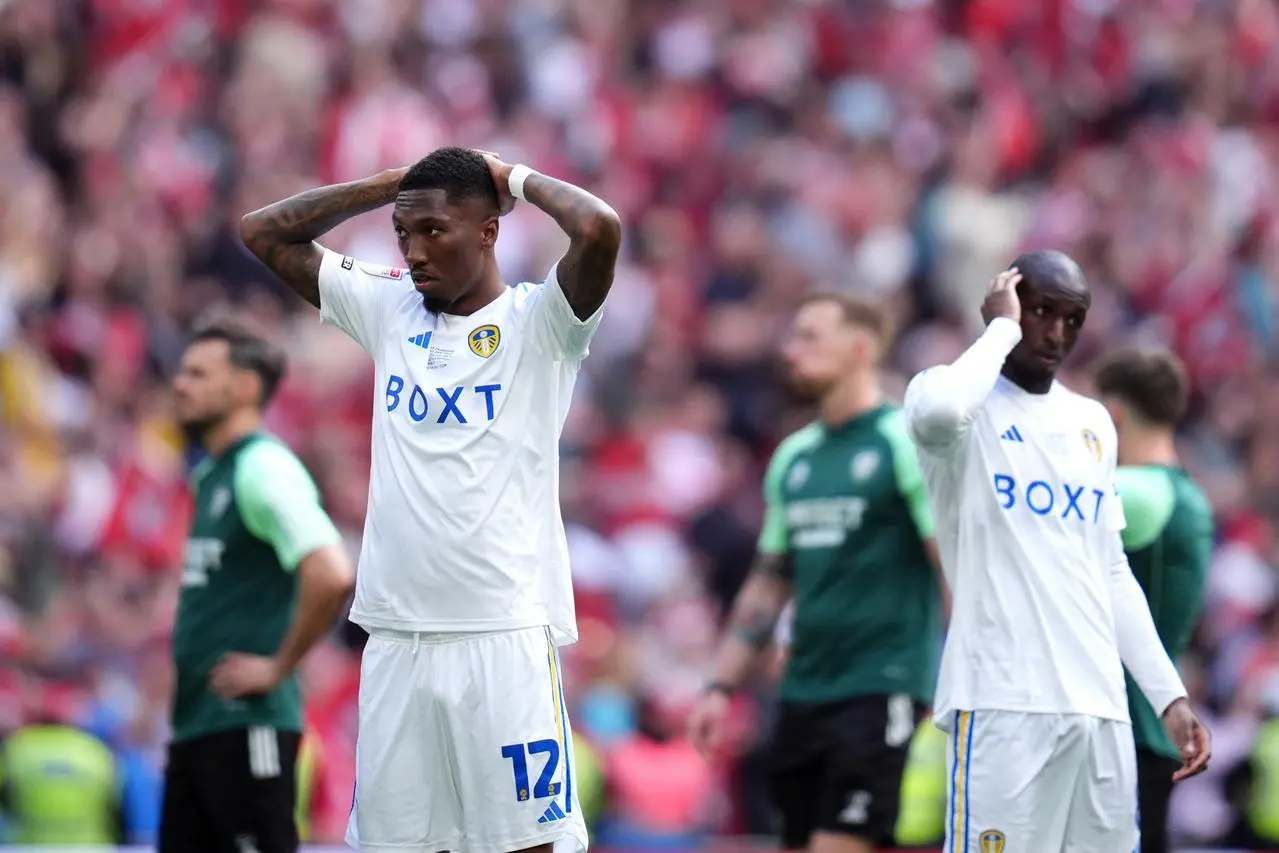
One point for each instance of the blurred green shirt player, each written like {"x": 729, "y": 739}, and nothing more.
{"x": 264, "y": 576}
{"x": 1168, "y": 540}
{"x": 847, "y": 533}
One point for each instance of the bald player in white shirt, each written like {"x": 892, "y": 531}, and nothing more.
{"x": 463, "y": 581}
{"x": 1020, "y": 474}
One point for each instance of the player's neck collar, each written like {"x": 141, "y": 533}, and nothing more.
{"x": 1013, "y": 384}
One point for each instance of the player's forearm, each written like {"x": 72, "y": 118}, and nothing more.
{"x": 1139, "y": 644}
{"x": 595, "y": 236}
{"x": 942, "y": 401}
{"x": 282, "y": 235}
{"x": 325, "y": 581}
{"x": 753, "y": 620}
{"x": 306, "y": 216}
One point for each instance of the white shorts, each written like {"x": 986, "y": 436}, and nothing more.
{"x": 464, "y": 746}
{"x": 1040, "y": 783}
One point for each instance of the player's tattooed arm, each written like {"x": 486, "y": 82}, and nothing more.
{"x": 594, "y": 231}
{"x": 282, "y": 235}
{"x": 754, "y": 617}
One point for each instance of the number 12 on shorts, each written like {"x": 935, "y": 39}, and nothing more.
{"x": 519, "y": 753}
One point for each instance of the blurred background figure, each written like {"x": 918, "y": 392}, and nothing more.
{"x": 899, "y": 150}
{"x": 62, "y": 786}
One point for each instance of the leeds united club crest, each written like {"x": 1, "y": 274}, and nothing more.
{"x": 1093, "y": 443}
{"x": 992, "y": 841}
{"x": 484, "y": 340}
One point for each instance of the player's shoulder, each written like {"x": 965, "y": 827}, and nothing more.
{"x": 268, "y": 460}
{"x": 391, "y": 273}
{"x": 1190, "y": 495}
{"x": 1143, "y": 485}
{"x": 1088, "y": 411}
{"x": 350, "y": 265}
{"x": 267, "y": 447}
{"x": 381, "y": 275}
{"x": 802, "y": 439}
{"x": 527, "y": 295}
{"x": 790, "y": 449}
{"x": 891, "y": 424}
{"x": 893, "y": 429}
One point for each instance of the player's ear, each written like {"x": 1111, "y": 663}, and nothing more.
{"x": 488, "y": 233}
{"x": 864, "y": 345}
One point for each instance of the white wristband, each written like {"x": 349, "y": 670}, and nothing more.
{"x": 519, "y": 174}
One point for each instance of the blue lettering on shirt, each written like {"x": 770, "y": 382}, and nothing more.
{"x": 458, "y": 404}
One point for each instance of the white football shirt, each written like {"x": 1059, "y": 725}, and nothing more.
{"x": 1022, "y": 488}
{"x": 463, "y": 531}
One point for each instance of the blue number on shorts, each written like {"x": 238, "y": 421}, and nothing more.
{"x": 544, "y": 788}
{"x": 517, "y": 752}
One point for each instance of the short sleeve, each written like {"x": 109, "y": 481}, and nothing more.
{"x": 1148, "y": 500}
{"x": 558, "y": 331}
{"x": 774, "y": 536}
{"x": 280, "y": 504}
{"x": 906, "y": 470}
{"x": 351, "y": 296}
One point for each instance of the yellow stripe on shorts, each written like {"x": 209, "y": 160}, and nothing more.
{"x": 552, "y": 660}
{"x": 959, "y": 783}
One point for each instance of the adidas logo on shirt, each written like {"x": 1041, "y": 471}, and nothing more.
{"x": 553, "y": 813}
{"x": 423, "y": 340}
{"x": 1012, "y": 434}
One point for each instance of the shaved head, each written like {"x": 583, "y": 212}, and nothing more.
{"x": 1053, "y": 273}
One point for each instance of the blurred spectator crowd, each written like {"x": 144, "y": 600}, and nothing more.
{"x": 906, "y": 149}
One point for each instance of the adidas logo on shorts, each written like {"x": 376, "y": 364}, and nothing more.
{"x": 553, "y": 813}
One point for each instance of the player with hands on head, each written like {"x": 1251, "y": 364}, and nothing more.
{"x": 463, "y": 581}
{"x": 1046, "y": 611}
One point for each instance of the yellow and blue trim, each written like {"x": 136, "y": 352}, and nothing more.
{"x": 960, "y": 775}
{"x": 561, "y": 720}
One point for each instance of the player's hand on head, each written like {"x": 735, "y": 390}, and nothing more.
{"x": 239, "y": 675}
{"x": 1001, "y": 297}
{"x": 707, "y": 722}
{"x": 501, "y": 173}
{"x": 1191, "y": 737}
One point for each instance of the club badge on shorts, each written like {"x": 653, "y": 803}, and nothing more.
{"x": 484, "y": 340}
{"x": 991, "y": 841}
{"x": 1092, "y": 442}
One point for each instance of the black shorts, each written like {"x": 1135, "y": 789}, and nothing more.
{"x": 837, "y": 766}
{"x": 231, "y": 791}
{"x": 1154, "y": 788}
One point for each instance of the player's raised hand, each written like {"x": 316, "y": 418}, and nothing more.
{"x": 1191, "y": 737}
{"x": 706, "y": 723}
{"x": 1001, "y": 297}
{"x": 501, "y": 176}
